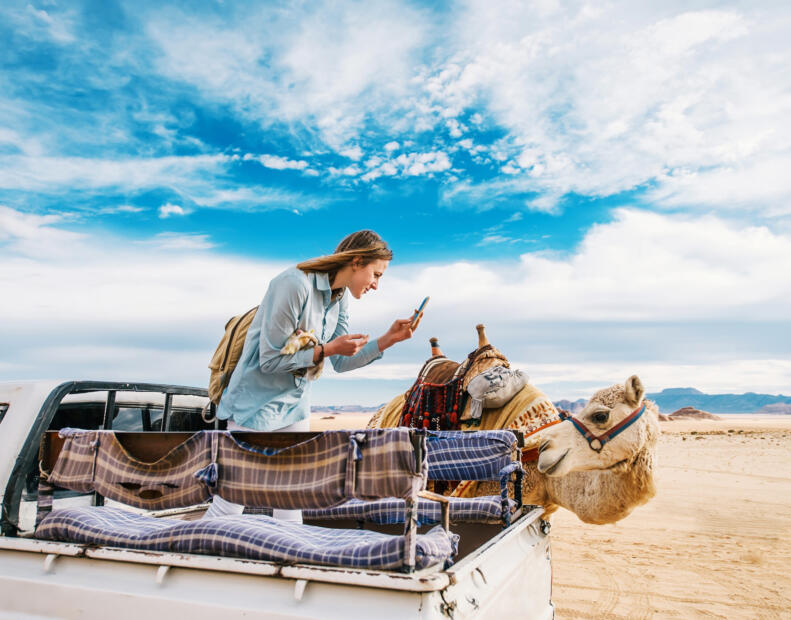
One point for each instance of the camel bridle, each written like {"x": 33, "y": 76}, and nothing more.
{"x": 596, "y": 442}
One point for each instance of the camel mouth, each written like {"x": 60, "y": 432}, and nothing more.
{"x": 550, "y": 470}
{"x": 618, "y": 464}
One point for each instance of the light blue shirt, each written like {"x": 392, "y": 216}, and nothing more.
{"x": 263, "y": 393}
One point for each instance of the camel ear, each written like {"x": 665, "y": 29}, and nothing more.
{"x": 633, "y": 391}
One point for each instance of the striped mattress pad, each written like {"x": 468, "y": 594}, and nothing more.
{"x": 252, "y": 537}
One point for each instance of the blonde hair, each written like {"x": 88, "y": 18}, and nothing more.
{"x": 363, "y": 244}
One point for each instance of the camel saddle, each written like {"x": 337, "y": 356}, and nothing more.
{"x": 437, "y": 399}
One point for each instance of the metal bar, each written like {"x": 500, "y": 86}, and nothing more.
{"x": 520, "y": 438}
{"x": 417, "y": 444}
{"x": 445, "y": 504}
{"x": 173, "y": 512}
{"x": 109, "y": 410}
{"x": 107, "y": 424}
{"x": 166, "y": 412}
{"x": 518, "y": 487}
{"x": 146, "y": 414}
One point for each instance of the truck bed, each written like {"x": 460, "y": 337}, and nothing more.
{"x": 508, "y": 574}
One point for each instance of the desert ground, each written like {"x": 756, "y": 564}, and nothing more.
{"x": 715, "y": 542}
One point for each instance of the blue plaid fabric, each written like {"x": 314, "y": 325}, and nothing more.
{"x": 253, "y": 537}
{"x": 452, "y": 455}
{"x": 486, "y": 509}
{"x": 480, "y": 455}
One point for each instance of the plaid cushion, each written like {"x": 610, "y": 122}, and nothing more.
{"x": 310, "y": 474}
{"x": 479, "y": 455}
{"x": 322, "y": 471}
{"x": 253, "y": 537}
{"x": 486, "y": 509}
{"x": 96, "y": 461}
{"x": 388, "y": 467}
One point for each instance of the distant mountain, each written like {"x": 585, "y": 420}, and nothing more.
{"x": 777, "y": 408}
{"x": 668, "y": 401}
{"x": 691, "y": 412}
{"x": 339, "y": 409}
{"x": 671, "y": 399}
{"x": 573, "y": 407}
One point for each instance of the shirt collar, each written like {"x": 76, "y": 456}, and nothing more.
{"x": 322, "y": 281}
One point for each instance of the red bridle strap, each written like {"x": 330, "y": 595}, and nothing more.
{"x": 596, "y": 442}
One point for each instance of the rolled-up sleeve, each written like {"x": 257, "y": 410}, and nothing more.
{"x": 282, "y": 306}
{"x": 364, "y": 356}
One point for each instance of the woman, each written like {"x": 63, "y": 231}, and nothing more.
{"x": 270, "y": 390}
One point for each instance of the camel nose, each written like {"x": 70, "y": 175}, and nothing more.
{"x": 544, "y": 446}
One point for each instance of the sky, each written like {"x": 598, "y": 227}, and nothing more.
{"x": 604, "y": 185}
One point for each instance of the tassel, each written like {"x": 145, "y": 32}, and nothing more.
{"x": 208, "y": 475}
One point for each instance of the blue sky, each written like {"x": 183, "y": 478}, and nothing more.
{"x": 603, "y": 184}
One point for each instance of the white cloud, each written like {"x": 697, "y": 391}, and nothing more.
{"x": 415, "y": 164}
{"x": 605, "y": 99}
{"x": 455, "y": 129}
{"x": 53, "y": 173}
{"x": 640, "y": 267}
{"x": 761, "y": 182}
{"x": 277, "y": 162}
{"x": 36, "y": 22}
{"x": 354, "y": 153}
{"x": 349, "y": 171}
{"x": 168, "y": 210}
{"x": 119, "y": 279}
{"x": 29, "y": 235}
{"x": 167, "y": 298}
{"x": 332, "y": 66}
{"x": 26, "y": 144}
{"x": 179, "y": 241}
{"x": 391, "y": 146}
{"x": 121, "y": 209}
{"x": 407, "y": 165}
{"x": 494, "y": 240}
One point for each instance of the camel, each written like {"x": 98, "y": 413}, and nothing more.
{"x": 601, "y": 482}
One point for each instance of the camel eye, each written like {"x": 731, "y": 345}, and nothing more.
{"x": 600, "y": 417}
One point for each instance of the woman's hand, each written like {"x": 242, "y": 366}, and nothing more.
{"x": 400, "y": 330}
{"x": 348, "y": 345}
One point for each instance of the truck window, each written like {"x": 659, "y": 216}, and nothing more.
{"x": 136, "y": 418}
{"x": 127, "y": 417}
{"x": 78, "y": 415}
{"x": 3, "y": 409}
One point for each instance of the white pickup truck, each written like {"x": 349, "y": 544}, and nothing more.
{"x": 498, "y": 572}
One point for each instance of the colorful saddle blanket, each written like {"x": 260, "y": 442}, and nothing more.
{"x": 439, "y": 406}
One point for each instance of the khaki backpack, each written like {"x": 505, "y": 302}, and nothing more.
{"x": 227, "y": 354}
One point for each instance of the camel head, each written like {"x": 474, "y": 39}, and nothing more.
{"x": 603, "y": 436}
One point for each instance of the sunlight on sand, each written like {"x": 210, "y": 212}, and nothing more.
{"x": 713, "y": 543}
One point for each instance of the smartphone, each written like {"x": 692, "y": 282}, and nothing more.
{"x": 419, "y": 310}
